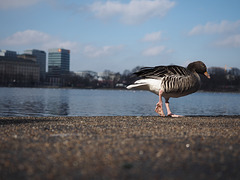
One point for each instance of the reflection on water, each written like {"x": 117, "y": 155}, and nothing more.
{"x": 33, "y": 102}
{"x": 76, "y": 102}
{"x": 57, "y": 103}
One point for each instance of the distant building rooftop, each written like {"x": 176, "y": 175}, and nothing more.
{"x": 54, "y": 50}
{"x": 8, "y": 53}
{"x": 27, "y": 57}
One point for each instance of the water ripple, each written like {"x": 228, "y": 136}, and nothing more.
{"x": 77, "y": 102}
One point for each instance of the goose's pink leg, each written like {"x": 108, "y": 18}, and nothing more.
{"x": 169, "y": 113}
{"x": 159, "y": 107}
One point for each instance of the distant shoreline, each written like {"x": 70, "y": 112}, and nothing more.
{"x": 57, "y": 87}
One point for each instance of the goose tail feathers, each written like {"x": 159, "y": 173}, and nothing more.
{"x": 141, "y": 84}
{"x": 146, "y": 84}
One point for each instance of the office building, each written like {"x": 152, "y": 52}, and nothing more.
{"x": 58, "y": 65}
{"x": 58, "y": 61}
{"x": 21, "y": 70}
{"x": 8, "y": 53}
{"x": 41, "y": 61}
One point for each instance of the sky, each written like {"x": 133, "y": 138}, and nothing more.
{"x": 120, "y": 35}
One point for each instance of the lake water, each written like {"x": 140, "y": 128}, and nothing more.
{"x": 79, "y": 102}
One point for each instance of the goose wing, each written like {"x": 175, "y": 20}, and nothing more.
{"x": 162, "y": 71}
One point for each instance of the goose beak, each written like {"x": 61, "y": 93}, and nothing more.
{"x": 207, "y": 75}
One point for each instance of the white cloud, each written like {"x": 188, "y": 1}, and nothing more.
{"x": 211, "y": 28}
{"x": 56, "y": 43}
{"x": 96, "y": 52}
{"x": 228, "y": 32}
{"x": 12, "y": 4}
{"x": 230, "y": 41}
{"x": 134, "y": 12}
{"x": 26, "y": 37}
{"x": 152, "y": 37}
{"x": 153, "y": 51}
{"x": 36, "y": 39}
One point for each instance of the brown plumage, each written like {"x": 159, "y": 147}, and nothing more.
{"x": 170, "y": 81}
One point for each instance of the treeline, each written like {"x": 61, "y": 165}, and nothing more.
{"x": 111, "y": 80}
{"x": 221, "y": 80}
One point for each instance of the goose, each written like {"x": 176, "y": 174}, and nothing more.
{"x": 170, "y": 81}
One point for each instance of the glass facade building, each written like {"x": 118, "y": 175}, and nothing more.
{"x": 41, "y": 61}
{"x": 58, "y": 62}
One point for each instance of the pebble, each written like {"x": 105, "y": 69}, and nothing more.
{"x": 120, "y": 147}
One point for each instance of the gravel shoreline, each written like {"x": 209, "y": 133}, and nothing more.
{"x": 120, "y": 147}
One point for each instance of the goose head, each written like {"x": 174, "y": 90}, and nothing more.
{"x": 198, "y": 67}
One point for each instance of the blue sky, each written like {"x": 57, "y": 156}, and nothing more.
{"x": 119, "y": 35}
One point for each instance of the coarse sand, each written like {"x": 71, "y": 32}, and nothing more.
{"x": 120, "y": 147}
